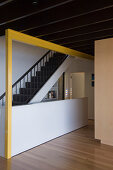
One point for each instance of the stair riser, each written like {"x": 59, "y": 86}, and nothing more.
{"x": 26, "y": 91}
{"x": 42, "y": 74}
{"x": 20, "y": 98}
{"x": 33, "y": 85}
{"x": 36, "y": 79}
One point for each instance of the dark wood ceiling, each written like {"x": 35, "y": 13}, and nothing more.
{"x": 72, "y": 23}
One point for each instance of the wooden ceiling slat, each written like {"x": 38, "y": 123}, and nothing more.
{"x": 73, "y": 23}
{"x": 94, "y": 36}
{"x": 20, "y": 9}
{"x": 82, "y": 46}
{"x": 108, "y": 25}
{"x": 46, "y": 18}
{"x": 78, "y": 44}
{"x": 76, "y": 22}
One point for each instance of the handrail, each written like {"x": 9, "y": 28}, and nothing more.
{"x": 30, "y": 69}
{"x": 2, "y": 96}
{"x": 66, "y": 56}
{"x": 26, "y": 72}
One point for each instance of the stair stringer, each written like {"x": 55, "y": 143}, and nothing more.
{"x": 51, "y": 81}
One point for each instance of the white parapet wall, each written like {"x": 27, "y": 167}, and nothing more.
{"x": 36, "y": 124}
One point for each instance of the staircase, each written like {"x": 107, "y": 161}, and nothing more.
{"x": 34, "y": 79}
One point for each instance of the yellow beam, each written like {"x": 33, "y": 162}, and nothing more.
{"x": 17, "y": 36}
{"x": 8, "y": 110}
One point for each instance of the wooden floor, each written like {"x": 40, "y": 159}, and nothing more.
{"x": 75, "y": 151}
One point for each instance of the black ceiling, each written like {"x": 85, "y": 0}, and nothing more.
{"x": 72, "y": 23}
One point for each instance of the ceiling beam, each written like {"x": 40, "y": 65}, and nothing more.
{"x": 94, "y": 36}
{"x": 42, "y": 7}
{"x": 56, "y": 16}
{"x": 81, "y": 46}
{"x": 77, "y": 32}
{"x": 20, "y": 37}
{"x": 88, "y": 34}
{"x": 74, "y": 21}
{"x": 88, "y": 51}
{"x": 77, "y": 44}
{"x": 84, "y": 48}
{"x": 29, "y": 10}
{"x": 5, "y": 2}
{"x": 85, "y": 40}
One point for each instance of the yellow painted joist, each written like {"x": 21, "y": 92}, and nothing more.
{"x": 27, "y": 39}
{"x": 8, "y": 109}
{"x": 17, "y": 36}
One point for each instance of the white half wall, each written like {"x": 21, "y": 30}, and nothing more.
{"x": 36, "y": 124}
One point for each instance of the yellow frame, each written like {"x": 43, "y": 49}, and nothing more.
{"x": 17, "y": 36}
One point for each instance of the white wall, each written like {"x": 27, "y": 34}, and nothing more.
{"x": 82, "y": 87}
{"x": 38, "y": 123}
{"x": 2, "y": 131}
{"x": 78, "y": 65}
{"x": 86, "y": 66}
{"x": 81, "y": 65}
{"x": 24, "y": 56}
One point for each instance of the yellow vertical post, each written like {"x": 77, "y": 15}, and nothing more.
{"x": 8, "y": 109}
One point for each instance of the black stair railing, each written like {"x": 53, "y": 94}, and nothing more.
{"x": 30, "y": 82}
{"x": 21, "y": 81}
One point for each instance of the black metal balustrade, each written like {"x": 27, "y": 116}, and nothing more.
{"x": 24, "y": 89}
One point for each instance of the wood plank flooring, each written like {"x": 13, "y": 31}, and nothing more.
{"x": 75, "y": 151}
